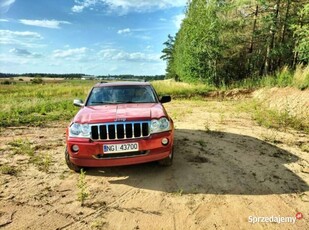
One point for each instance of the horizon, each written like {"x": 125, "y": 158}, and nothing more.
{"x": 80, "y": 74}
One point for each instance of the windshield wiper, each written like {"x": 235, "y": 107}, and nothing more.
{"x": 130, "y": 102}
{"x": 100, "y": 102}
{"x": 124, "y": 102}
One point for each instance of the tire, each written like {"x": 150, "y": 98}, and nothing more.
{"x": 69, "y": 163}
{"x": 168, "y": 161}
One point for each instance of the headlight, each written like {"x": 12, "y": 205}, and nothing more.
{"x": 79, "y": 130}
{"x": 85, "y": 130}
{"x": 164, "y": 123}
{"x": 161, "y": 125}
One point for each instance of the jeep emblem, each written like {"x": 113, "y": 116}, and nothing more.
{"x": 120, "y": 119}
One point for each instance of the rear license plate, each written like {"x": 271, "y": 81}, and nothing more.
{"x": 120, "y": 148}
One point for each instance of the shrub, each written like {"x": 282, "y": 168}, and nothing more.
{"x": 37, "y": 80}
{"x": 6, "y": 82}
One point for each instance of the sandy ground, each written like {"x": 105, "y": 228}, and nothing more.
{"x": 225, "y": 170}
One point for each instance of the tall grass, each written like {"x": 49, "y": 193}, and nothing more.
{"x": 181, "y": 89}
{"x": 283, "y": 78}
{"x": 271, "y": 118}
{"x": 32, "y": 104}
{"x": 35, "y": 104}
{"x": 301, "y": 77}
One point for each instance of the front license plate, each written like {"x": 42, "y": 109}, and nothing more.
{"x": 120, "y": 148}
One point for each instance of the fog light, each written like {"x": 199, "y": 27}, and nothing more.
{"x": 164, "y": 141}
{"x": 75, "y": 148}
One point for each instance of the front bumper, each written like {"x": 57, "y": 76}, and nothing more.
{"x": 151, "y": 146}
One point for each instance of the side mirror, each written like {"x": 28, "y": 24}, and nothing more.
{"x": 165, "y": 99}
{"x": 78, "y": 103}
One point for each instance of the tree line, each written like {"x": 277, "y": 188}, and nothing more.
{"x": 80, "y": 76}
{"x": 131, "y": 77}
{"x": 223, "y": 41}
{"x": 40, "y": 75}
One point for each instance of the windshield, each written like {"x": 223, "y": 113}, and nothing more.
{"x": 121, "y": 94}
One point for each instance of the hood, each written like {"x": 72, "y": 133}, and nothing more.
{"x": 121, "y": 112}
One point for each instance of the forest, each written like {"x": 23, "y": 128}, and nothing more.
{"x": 225, "y": 41}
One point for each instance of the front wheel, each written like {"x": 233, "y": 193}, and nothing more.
{"x": 168, "y": 161}
{"x": 71, "y": 166}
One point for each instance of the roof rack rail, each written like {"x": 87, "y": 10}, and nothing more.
{"x": 102, "y": 82}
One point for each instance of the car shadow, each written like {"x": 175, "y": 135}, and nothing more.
{"x": 214, "y": 163}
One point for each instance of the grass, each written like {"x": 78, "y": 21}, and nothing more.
{"x": 35, "y": 105}
{"x": 83, "y": 193}
{"x": 201, "y": 143}
{"x": 180, "y": 89}
{"x": 179, "y": 192}
{"x": 24, "y": 147}
{"x": 207, "y": 126}
{"x": 279, "y": 120}
{"x": 41, "y": 161}
{"x": 270, "y": 136}
{"x": 9, "y": 170}
{"x": 305, "y": 147}
{"x": 21, "y": 146}
{"x": 98, "y": 224}
{"x": 270, "y": 118}
{"x": 283, "y": 78}
{"x": 24, "y": 104}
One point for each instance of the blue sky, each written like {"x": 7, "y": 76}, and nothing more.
{"x": 96, "y": 37}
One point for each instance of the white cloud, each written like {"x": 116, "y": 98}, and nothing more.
{"x": 24, "y": 53}
{"x": 5, "y": 5}
{"x": 7, "y": 33}
{"x": 177, "y": 20}
{"x": 107, "y": 53}
{"x": 52, "y": 24}
{"x": 9, "y": 60}
{"x": 78, "y": 9}
{"x": 21, "y": 38}
{"x": 3, "y": 20}
{"x": 125, "y": 6}
{"x": 106, "y": 61}
{"x": 70, "y": 53}
{"x": 124, "y": 31}
{"x": 132, "y": 32}
{"x": 20, "y": 52}
{"x": 81, "y": 5}
{"x": 120, "y": 55}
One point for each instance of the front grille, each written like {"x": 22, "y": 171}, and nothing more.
{"x": 120, "y": 130}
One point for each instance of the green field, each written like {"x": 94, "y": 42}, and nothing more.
{"x": 35, "y": 104}
{"x": 32, "y": 104}
{"x": 25, "y": 103}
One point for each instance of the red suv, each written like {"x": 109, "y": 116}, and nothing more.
{"x": 121, "y": 123}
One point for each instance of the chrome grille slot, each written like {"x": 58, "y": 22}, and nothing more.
{"x": 137, "y": 130}
{"x": 94, "y": 132}
{"x": 145, "y": 130}
{"x": 120, "y": 130}
{"x": 111, "y": 132}
{"x": 129, "y": 130}
{"x": 103, "y": 132}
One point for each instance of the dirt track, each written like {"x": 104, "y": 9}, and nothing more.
{"x": 224, "y": 171}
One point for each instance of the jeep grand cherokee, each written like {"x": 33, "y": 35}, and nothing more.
{"x": 120, "y": 123}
